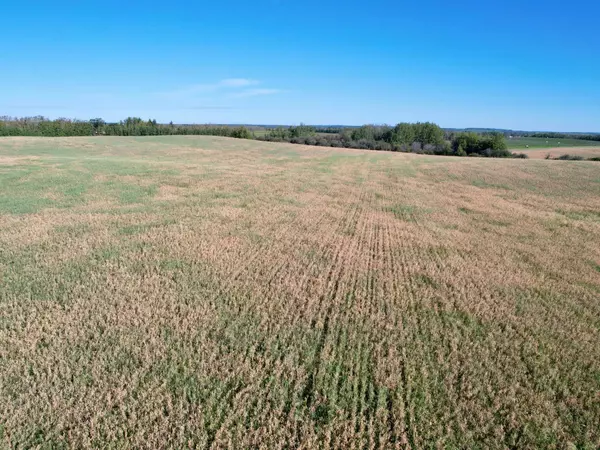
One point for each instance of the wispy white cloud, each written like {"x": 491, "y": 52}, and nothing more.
{"x": 187, "y": 91}
{"x": 237, "y": 82}
{"x": 255, "y": 92}
{"x": 196, "y": 89}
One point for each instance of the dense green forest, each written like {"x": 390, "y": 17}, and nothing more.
{"x": 132, "y": 126}
{"x": 426, "y": 138}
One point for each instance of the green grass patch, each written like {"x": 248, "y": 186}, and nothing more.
{"x": 537, "y": 143}
{"x": 588, "y": 214}
{"x": 131, "y": 193}
{"x": 425, "y": 280}
{"x": 499, "y": 223}
{"x": 407, "y": 212}
{"x": 484, "y": 184}
{"x": 30, "y": 190}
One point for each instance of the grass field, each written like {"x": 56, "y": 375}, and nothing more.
{"x": 521, "y": 143}
{"x": 210, "y": 292}
{"x": 584, "y": 152}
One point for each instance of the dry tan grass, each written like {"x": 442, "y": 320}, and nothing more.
{"x": 6, "y": 160}
{"x": 586, "y": 152}
{"x": 210, "y": 292}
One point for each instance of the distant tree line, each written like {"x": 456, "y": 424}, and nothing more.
{"x": 331, "y": 130}
{"x": 132, "y": 126}
{"x": 549, "y": 135}
{"x": 489, "y": 144}
{"x": 40, "y": 126}
{"x": 425, "y": 138}
{"x": 533, "y": 134}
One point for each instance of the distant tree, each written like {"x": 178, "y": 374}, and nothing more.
{"x": 241, "y": 133}
{"x": 493, "y": 144}
{"x": 425, "y": 133}
{"x": 403, "y": 133}
{"x": 301, "y": 131}
{"x": 97, "y": 125}
{"x": 429, "y": 133}
{"x": 366, "y": 132}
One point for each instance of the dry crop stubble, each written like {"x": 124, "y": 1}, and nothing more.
{"x": 555, "y": 152}
{"x": 211, "y": 292}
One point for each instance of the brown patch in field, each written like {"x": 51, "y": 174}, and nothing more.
{"x": 230, "y": 213}
{"x": 52, "y": 196}
{"x": 6, "y": 160}
{"x": 29, "y": 229}
{"x": 132, "y": 179}
{"x": 101, "y": 177}
{"x": 166, "y": 192}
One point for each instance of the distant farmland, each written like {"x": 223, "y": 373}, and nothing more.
{"x": 206, "y": 292}
{"x": 518, "y": 143}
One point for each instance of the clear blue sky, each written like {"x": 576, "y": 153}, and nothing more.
{"x": 532, "y": 64}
